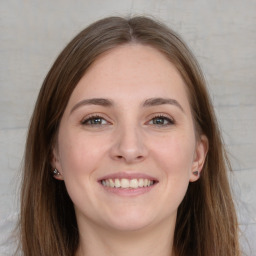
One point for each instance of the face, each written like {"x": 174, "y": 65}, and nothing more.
{"x": 126, "y": 146}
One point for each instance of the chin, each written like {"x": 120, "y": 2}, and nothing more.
{"x": 130, "y": 225}
{"x": 130, "y": 220}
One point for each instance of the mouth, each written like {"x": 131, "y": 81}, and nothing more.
{"x": 126, "y": 183}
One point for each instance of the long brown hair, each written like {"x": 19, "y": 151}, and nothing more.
{"x": 206, "y": 221}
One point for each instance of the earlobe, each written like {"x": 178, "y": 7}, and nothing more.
{"x": 196, "y": 173}
{"x": 199, "y": 159}
{"x": 57, "y": 173}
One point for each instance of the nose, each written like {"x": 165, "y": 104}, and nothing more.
{"x": 129, "y": 145}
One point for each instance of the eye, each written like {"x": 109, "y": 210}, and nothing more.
{"x": 94, "y": 121}
{"x": 161, "y": 121}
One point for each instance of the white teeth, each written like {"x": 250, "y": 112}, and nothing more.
{"x": 134, "y": 183}
{"x": 141, "y": 183}
{"x": 111, "y": 183}
{"x": 145, "y": 183}
{"x": 117, "y": 183}
{"x": 127, "y": 183}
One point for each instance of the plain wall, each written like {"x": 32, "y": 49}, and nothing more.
{"x": 222, "y": 34}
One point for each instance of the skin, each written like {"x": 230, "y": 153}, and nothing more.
{"x": 127, "y": 140}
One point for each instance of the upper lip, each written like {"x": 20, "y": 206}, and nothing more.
{"x": 127, "y": 175}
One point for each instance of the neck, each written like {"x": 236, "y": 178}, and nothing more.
{"x": 95, "y": 240}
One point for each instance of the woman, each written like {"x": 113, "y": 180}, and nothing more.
{"x": 124, "y": 155}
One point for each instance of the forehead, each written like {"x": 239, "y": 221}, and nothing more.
{"x": 131, "y": 71}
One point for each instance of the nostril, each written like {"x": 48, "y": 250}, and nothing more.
{"x": 135, "y": 158}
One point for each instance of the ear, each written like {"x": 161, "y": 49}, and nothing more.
{"x": 55, "y": 162}
{"x": 201, "y": 150}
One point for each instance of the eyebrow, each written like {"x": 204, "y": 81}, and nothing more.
{"x": 162, "y": 101}
{"x": 108, "y": 103}
{"x": 94, "y": 101}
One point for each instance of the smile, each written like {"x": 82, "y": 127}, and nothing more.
{"x": 127, "y": 183}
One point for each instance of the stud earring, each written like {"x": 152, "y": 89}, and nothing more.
{"x": 196, "y": 173}
{"x": 56, "y": 172}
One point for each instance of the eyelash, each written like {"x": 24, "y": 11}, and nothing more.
{"x": 169, "y": 120}
{"x": 91, "y": 118}
{"x": 86, "y": 121}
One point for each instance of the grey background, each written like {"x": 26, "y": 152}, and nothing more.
{"x": 222, "y": 34}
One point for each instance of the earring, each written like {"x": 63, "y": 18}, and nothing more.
{"x": 56, "y": 172}
{"x": 196, "y": 173}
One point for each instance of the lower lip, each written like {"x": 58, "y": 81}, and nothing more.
{"x": 128, "y": 191}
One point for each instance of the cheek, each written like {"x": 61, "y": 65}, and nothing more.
{"x": 79, "y": 158}
{"x": 176, "y": 154}
{"x": 79, "y": 154}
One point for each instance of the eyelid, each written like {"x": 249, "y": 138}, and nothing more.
{"x": 94, "y": 116}
{"x": 164, "y": 116}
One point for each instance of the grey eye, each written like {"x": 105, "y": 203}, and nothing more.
{"x": 94, "y": 121}
{"x": 161, "y": 120}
